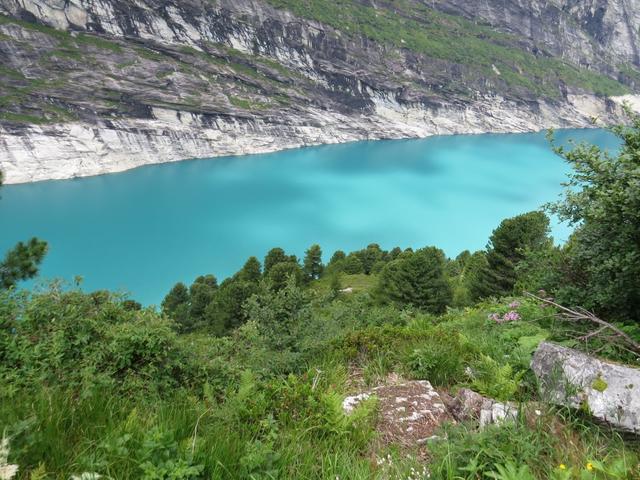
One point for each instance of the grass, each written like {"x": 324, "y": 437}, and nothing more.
{"x": 241, "y": 420}
{"x": 247, "y": 104}
{"x": 359, "y": 283}
{"x": 22, "y": 118}
{"x": 415, "y": 27}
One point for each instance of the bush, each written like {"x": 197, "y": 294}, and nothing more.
{"x": 86, "y": 341}
{"x": 441, "y": 358}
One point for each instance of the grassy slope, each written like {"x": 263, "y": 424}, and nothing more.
{"x": 414, "y": 26}
{"x": 248, "y": 422}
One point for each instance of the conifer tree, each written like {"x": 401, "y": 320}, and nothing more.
{"x": 22, "y": 261}
{"x": 312, "y": 266}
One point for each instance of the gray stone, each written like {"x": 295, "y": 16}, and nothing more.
{"x": 470, "y": 405}
{"x": 610, "y": 392}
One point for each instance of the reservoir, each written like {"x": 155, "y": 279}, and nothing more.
{"x": 143, "y": 230}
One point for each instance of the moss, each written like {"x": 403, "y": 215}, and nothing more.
{"x": 599, "y": 384}
{"x": 246, "y": 104}
{"x": 11, "y": 73}
{"x": 21, "y": 118}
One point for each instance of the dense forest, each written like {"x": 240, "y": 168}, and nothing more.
{"x": 245, "y": 378}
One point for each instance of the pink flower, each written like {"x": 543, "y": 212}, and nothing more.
{"x": 514, "y": 304}
{"x": 511, "y": 316}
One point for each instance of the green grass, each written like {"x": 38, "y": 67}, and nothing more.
{"x": 11, "y": 73}
{"x": 247, "y": 104}
{"x": 22, "y": 118}
{"x": 452, "y": 38}
{"x": 89, "y": 386}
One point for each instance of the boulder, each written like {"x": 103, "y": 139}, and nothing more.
{"x": 608, "y": 391}
{"x": 410, "y": 412}
{"x": 470, "y": 405}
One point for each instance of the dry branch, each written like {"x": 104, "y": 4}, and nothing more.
{"x": 583, "y": 315}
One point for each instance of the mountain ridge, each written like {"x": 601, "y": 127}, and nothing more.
{"x": 95, "y": 87}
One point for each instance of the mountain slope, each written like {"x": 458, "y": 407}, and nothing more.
{"x": 90, "y": 87}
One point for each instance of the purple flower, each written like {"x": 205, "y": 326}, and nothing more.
{"x": 511, "y": 316}
{"x": 514, "y": 304}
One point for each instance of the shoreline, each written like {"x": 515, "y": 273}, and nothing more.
{"x": 74, "y": 150}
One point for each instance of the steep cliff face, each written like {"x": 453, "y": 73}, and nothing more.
{"x": 94, "y": 86}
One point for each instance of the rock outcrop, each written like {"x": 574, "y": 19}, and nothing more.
{"x": 96, "y": 86}
{"x": 469, "y": 405}
{"x": 410, "y": 412}
{"x": 608, "y": 391}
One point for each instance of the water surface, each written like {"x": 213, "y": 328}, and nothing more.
{"x": 141, "y": 231}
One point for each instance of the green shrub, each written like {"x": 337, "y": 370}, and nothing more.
{"x": 441, "y": 358}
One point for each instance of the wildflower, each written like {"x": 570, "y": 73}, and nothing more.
{"x": 511, "y": 316}
{"x": 494, "y": 316}
{"x": 514, "y": 304}
{"x": 562, "y": 466}
{"x": 589, "y": 466}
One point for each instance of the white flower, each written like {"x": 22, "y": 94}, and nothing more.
{"x": 7, "y": 471}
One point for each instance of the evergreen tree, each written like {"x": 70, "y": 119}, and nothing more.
{"x": 176, "y": 305}
{"x": 201, "y": 293}
{"x": 353, "y": 264}
{"x": 337, "y": 256}
{"x": 507, "y": 246}
{"x": 251, "y": 271}
{"x": 369, "y": 256}
{"x": 395, "y": 253}
{"x": 275, "y": 256}
{"x": 281, "y": 272}
{"x": 226, "y": 312}
{"x": 312, "y": 266}
{"x": 22, "y": 261}
{"x": 417, "y": 280}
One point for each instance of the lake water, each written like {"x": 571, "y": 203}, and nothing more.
{"x": 143, "y": 230}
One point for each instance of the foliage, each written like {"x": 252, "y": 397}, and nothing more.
{"x": 494, "y": 380}
{"x": 312, "y": 266}
{"x": 418, "y": 280}
{"x": 21, "y": 262}
{"x": 506, "y": 249}
{"x": 87, "y": 341}
{"x": 602, "y": 199}
{"x": 441, "y": 359}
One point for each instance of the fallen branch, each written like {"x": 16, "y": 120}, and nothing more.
{"x": 582, "y": 315}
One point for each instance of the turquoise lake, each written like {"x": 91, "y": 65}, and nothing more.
{"x": 143, "y": 230}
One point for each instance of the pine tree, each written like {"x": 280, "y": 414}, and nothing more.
{"x": 22, "y": 261}
{"x": 251, "y": 271}
{"x": 507, "y": 247}
{"x": 176, "y": 305}
{"x": 201, "y": 294}
{"x": 273, "y": 257}
{"x": 417, "y": 279}
{"x": 312, "y": 266}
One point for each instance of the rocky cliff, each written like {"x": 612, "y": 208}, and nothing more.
{"x": 95, "y": 86}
